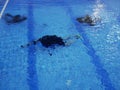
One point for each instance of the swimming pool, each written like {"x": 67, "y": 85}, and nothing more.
{"x": 90, "y": 63}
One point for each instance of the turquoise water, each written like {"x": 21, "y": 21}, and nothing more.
{"x": 90, "y": 63}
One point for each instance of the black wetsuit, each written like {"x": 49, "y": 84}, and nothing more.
{"x": 87, "y": 19}
{"x": 50, "y": 40}
{"x": 14, "y": 19}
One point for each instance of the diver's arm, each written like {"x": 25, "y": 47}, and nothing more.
{"x": 68, "y": 41}
{"x": 31, "y": 43}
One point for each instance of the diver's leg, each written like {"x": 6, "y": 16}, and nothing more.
{"x": 9, "y": 15}
{"x": 8, "y": 18}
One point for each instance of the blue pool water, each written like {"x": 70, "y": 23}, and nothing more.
{"x": 90, "y": 63}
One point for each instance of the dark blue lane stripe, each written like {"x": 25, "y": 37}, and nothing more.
{"x": 32, "y": 73}
{"x": 102, "y": 73}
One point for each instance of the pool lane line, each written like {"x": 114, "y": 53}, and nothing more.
{"x": 32, "y": 78}
{"x": 95, "y": 59}
{"x": 3, "y": 9}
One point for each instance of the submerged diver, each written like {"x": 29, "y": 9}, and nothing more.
{"x": 87, "y": 19}
{"x": 14, "y": 19}
{"x": 52, "y": 40}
